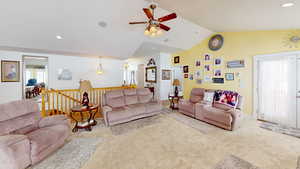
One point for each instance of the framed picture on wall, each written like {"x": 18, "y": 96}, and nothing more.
{"x": 151, "y": 74}
{"x": 166, "y": 75}
{"x": 185, "y": 69}
{"x": 10, "y": 71}
{"x": 229, "y": 76}
{"x": 186, "y": 76}
{"x": 176, "y": 59}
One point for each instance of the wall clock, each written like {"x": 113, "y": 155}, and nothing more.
{"x": 292, "y": 40}
{"x": 216, "y": 42}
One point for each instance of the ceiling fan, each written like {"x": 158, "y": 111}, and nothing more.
{"x": 155, "y": 26}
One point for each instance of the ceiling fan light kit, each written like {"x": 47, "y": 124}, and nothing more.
{"x": 155, "y": 27}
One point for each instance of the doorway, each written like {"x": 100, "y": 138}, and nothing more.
{"x": 277, "y": 81}
{"x": 35, "y": 76}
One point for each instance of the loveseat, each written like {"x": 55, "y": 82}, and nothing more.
{"x": 25, "y": 137}
{"x": 126, "y": 105}
{"x": 212, "y": 112}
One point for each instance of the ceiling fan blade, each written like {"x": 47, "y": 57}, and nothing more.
{"x": 164, "y": 27}
{"x": 168, "y": 17}
{"x": 137, "y": 23}
{"x": 148, "y": 13}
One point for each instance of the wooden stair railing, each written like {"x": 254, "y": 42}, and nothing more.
{"x": 61, "y": 101}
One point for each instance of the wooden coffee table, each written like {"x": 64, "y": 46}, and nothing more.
{"x": 84, "y": 123}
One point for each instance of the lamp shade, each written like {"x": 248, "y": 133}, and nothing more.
{"x": 176, "y": 82}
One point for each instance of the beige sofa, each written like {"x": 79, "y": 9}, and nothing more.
{"x": 25, "y": 137}
{"x": 126, "y": 105}
{"x": 213, "y": 113}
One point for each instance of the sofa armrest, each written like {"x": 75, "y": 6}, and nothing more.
{"x": 237, "y": 118}
{"x": 54, "y": 120}
{"x": 105, "y": 110}
{"x": 14, "y": 152}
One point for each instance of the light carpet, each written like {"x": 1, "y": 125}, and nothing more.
{"x": 173, "y": 144}
{"x": 71, "y": 156}
{"x": 280, "y": 129}
{"x": 233, "y": 162}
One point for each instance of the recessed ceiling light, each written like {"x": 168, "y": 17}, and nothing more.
{"x": 289, "y": 4}
{"x": 59, "y": 37}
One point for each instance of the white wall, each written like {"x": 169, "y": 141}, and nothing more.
{"x": 81, "y": 68}
{"x": 165, "y": 86}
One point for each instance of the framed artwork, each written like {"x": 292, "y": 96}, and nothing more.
{"x": 166, "y": 75}
{"x": 207, "y": 57}
{"x": 218, "y": 80}
{"x": 64, "y": 74}
{"x": 207, "y": 79}
{"x": 199, "y": 81}
{"x": 10, "y": 71}
{"x": 151, "y": 62}
{"x": 151, "y": 74}
{"x": 218, "y": 61}
{"x": 198, "y": 74}
{"x": 198, "y": 63}
{"x": 216, "y": 42}
{"x": 217, "y": 72}
{"x": 191, "y": 76}
{"x": 229, "y": 76}
{"x": 176, "y": 59}
{"x": 186, "y": 76}
{"x": 185, "y": 69}
{"x": 207, "y": 68}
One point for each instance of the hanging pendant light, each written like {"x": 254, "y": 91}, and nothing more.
{"x": 99, "y": 67}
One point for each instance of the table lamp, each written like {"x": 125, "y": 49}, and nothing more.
{"x": 176, "y": 83}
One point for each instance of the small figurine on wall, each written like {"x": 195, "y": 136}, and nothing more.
{"x": 85, "y": 99}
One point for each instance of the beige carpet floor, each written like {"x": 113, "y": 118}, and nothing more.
{"x": 171, "y": 144}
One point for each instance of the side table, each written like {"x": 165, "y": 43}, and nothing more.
{"x": 84, "y": 123}
{"x": 174, "y": 101}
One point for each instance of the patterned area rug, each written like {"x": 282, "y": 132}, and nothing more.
{"x": 134, "y": 125}
{"x": 233, "y": 162}
{"x": 71, "y": 156}
{"x": 280, "y": 129}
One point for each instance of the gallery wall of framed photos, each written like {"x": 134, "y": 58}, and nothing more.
{"x": 229, "y": 56}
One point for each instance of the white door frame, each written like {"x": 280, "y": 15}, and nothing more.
{"x": 256, "y": 59}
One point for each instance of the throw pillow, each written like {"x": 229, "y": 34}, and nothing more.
{"x": 208, "y": 96}
{"x": 229, "y": 98}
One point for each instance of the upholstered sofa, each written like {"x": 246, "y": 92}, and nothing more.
{"x": 25, "y": 137}
{"x": 217, "y": 114}
{"x": 126, "y": 105}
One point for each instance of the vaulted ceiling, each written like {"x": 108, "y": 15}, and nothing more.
{"x": 237, "y": 15}
{"x": 32, "y": 26}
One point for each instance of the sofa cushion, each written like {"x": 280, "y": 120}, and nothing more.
{"x": 115, "y": 98}
{"x": 221, "y": 106}
{"x": 144, "y": 95}
{"x": 118, "y": 114}
{"x": 20, "y": 125}
{"x": 186, "y": 106}
{"x": 217, "y": 115}
{"x": 130, "y": 96}
{"x": 43, "y": 138}
{"x": 15, "y": 109}
{"x": 195, "y": 99}
{"x": 136, "y": 109}
{"x": 153, "y": 107}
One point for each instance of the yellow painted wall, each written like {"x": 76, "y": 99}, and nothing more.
{"x": 237, "y": 46}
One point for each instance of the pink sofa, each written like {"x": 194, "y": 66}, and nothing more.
{"x": 213, "y": 113}
{"x": 126, "y": 105}
{"x": 25, "y": 137}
